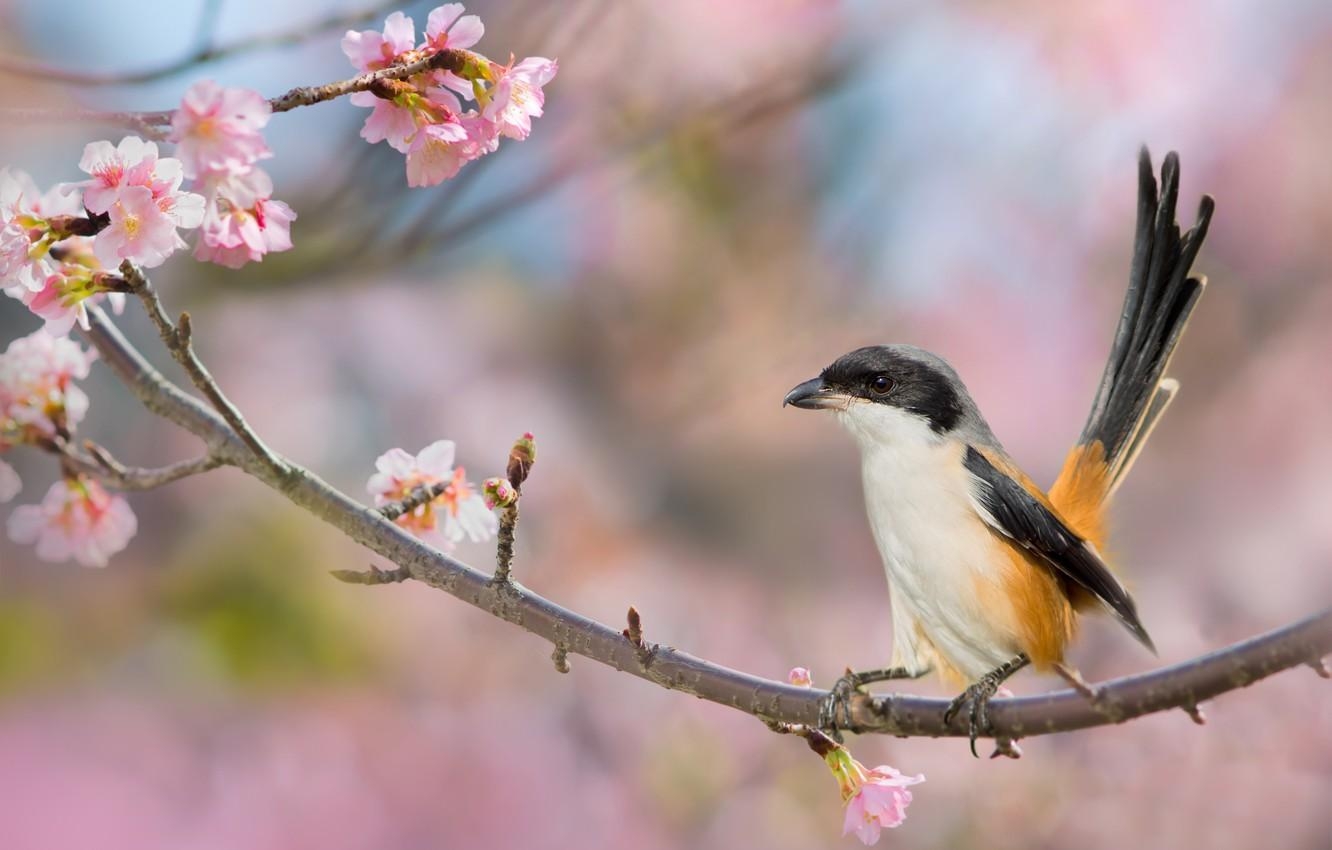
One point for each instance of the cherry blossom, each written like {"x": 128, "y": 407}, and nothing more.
{"x": 141, "y": 194}
{"x": 38, "y": 398}
{"x": 447, "y": 28}
{"x": 26, "y": 234}
{"x": 370, "y": 50}
{"x": 517, "y": 96}
{"x": 421, "y": 117}
{"x": 437, "y": 152}
{"x": 389, "y": 121}
{"x": 139, "y": 231}
{"x": 875, "y": 799}
{"x": 458, "y": 512}
{"x": 242, "y": 222}
{"x": 800, "y": 677}
{"x": 66, "y": 292}
{"x": 76, "y": 520}
{"x": 220, "y": 129}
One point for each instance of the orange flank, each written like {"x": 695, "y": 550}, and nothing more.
{"x": 1078, "y": 494}
{"x": 1040, "y": 602}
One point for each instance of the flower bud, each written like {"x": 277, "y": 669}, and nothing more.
{"x": 800, "y": 677}
{"x": 521, "y": 457}
{"x": 498, "y": 492}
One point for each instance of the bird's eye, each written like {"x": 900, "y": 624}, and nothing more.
{"x": 880, "y": 384}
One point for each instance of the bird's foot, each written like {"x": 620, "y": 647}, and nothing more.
{"x": 835, "y": 710}
{"x": 977, "y": 698}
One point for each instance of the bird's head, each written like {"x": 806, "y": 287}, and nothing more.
{"x": 885, "y": 394}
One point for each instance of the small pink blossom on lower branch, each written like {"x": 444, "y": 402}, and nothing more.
{"x": 38, "y": 397}
{"x": 77, "y": 520}
{"x": 458, "y": 512}
{"x": 220, "y": 129}
{"x": 875, "y": 799}
{"x": 800, "y": 677}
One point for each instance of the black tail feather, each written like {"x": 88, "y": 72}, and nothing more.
{"x": 1161, "y": 295}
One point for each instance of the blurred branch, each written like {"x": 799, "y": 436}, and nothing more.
{"x": 204, "y": 51}
{"x": 735, "y": 112}
{"x": 150, "y": 123}
{"x": 1179, "y": 686}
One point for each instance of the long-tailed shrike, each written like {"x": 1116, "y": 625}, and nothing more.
{"x": 988, "y": 571}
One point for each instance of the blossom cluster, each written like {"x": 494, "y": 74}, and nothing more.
{"x": 424, "y": 116}
{"x": 59, "y": 249}
{"x": 41, "y": 405}
{"x": 218, "y": 136}
{"x": 459, "y": 511}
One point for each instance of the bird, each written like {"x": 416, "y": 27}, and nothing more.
{"x": 987, "y": 572}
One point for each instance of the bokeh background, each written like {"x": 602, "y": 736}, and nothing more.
{"x": 721, "y": 199}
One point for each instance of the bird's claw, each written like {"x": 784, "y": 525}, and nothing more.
{"x": 977, "y": 698}
{"x": 838, "y": 702}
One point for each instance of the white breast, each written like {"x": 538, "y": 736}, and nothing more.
{"x": 934, "y": 546}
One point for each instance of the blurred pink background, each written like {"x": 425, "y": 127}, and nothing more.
{"x": 721, "y": 199}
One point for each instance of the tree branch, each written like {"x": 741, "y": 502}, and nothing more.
{"x": 178, "y": 340}
{"x": 97, "y": 462}
{"x": 1179, "y": 686}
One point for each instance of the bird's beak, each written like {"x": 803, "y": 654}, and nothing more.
{"x": 814, "y": 394}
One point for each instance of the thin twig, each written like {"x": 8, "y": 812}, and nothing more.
{"x": 374, "y": 575}
{"x": 98, "y": 463}
{"x": 1168, "y": 688}
{"x": 423, "y": 495}
{"x": 178, "y": 340}
{"x": 521, "y": 458}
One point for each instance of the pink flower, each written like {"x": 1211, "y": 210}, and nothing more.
{"x": 64, "y": 295}
{"x": 25, "y": 236}
{"x": 37, "y": 393}
{"x": 437, "y": 152}
{"x": 131, "y": 163}
{"x": 880, "y": 803}
{"x": 370, "y": 50}
{"x": 134, "y": 163}
{"x": 387, "y": 122}
{"x": 220, "y": 129}
{"x": 464, "y": 513}
{"x": 139, "y": 231}
{"x": 78, "y": 520}
{"x": 9, "y": 482}
{"x": 448, "y": 28}
{"x": 517, "y": 97}
{"x": 242, "y": 222}
{"x": 875, "y": 799}
{"x": 800, "y": 677}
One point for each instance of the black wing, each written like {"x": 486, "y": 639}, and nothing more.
{"x": 1013, "y": 512}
